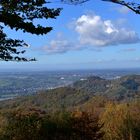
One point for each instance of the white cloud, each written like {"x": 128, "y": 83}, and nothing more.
{"x": 95, "y": 31}
{"x": 61, "y": 45}
{"x": 57, "y": 46}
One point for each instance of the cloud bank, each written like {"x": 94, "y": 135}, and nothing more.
{"x": 93, "y": 32}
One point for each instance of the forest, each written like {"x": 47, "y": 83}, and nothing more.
{"x": 78, "y": 112}
{"x": 100, "y": 120}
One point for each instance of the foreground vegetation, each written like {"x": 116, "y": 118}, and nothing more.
{"x": 109, "y": 121}
{"x": 34, "y": 124}
{"x": 79, "y": 112}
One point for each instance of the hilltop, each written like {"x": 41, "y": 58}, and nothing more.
{"x": 124, "y": 88}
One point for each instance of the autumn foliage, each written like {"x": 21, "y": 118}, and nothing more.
{"x": 34, "y": 124}
{"x": 116, "y": 121}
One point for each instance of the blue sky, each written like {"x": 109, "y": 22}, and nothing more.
{"x": 90, "y": 36}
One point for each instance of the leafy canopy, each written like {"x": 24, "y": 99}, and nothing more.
{"x": 135, "y": 7}
{"x": 20, "y": 15}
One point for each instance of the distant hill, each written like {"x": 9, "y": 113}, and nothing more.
{"x": 92, "y": 85}
{"x": 124, "y": 88}
{"x": 82, "y": 94}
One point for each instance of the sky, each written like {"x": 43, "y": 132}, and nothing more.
{"x": 94, "y": 35}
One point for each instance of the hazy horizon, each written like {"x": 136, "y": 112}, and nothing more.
{"x": 68, "y": 70}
